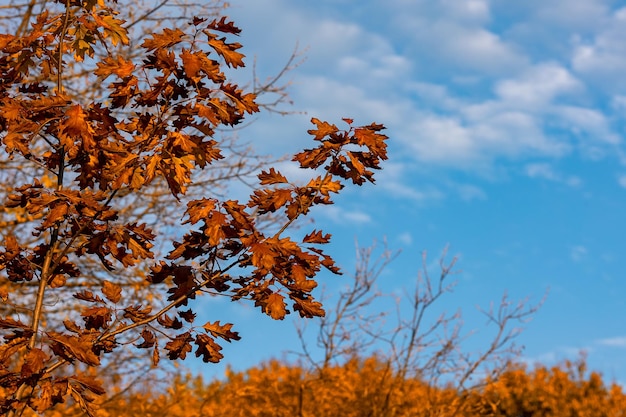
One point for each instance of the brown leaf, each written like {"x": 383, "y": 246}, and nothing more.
{"x": 199, "y": 210}
{"x": 272, "y": 177}
{"x": 221, "y": 330}
{"x": 275, "y": 306}
{"x": 223, "y": 26}
{"x": 71, "y": 326}
{"x": 149, "y": 339}
{"x": 119, "y": 67}
{"x": 308, "y": 308}
{"x": 75, "y": 347}
{"x": 87, "y": 295}
{"x": 323, "y": 129}
{"x": 208, "y": 349}
{"x": 10, "y": 323}
{"x": 228, "y": 51}
{"x": 262, "y": 255}
{"x": 96, "y": 317}
{"x": 51, "y": 392}
{"x": 112, "y": 292}
{"x": 155, "y": 356}
{"x": 192, "y": 64}
{"x": 34, "y": 362}
{"x": 188, "y": 315}
{"x": 56, "y": 214}
{"x": 179, "y": 347}
{"x": 165, "y": 39}
{"x": 171, "y": 323}
{"x": 316, "y": 236}
{"x": 57, "y": 281}
{"x": 90, "y": 383}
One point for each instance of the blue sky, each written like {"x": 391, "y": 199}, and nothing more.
{"x": 506, "y": 122}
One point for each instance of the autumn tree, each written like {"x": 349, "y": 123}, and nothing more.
{"x": 565, "y": 389}
{"x": 151, "y": 202}
{"x": 272, "y": 389}
{"x": 239, "y": 162}
{"x": 408, "y": 338}
{"x": 78, "y": 216}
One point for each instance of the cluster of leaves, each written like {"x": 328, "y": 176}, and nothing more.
{"x": 359, "y": 388}
{"x": 155, "y": 122}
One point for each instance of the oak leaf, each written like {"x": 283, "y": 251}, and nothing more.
{"x": 149, "y": 339}
{"x": 119, "y": 67}
{"x": 272, "y": 177}
{"x": 316, "y": 236}
{"x": 34, "y": 362}
{"x": 323, "y": 129}
{"x": 208, "y": 349}
{"x": 96, "y": 317}
{"x": 275, "y": 306}
{"x": 221, "y": 330}
{"x": 228, "y": 51}
{"x": 307, "y": 307}
{"x": 223, "y": 26}
{"x": 90, "y": 383}
{"x": 165, "y": 39}
{"x": 179, "y": 346}
{"x": 74, "y": 347}
{"x": 111, "y": 291}
{"x": 51, "y": 392}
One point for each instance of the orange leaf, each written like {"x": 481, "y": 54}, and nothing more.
{"x": 33, "y": 362}
{"x": 90, "y": 383}
{"x": 179, "y": 346}
{"x": 221, "y": 330}
{"x": 119, "y": 67}
{"x": 323, "y": 129}
{"x": 308, "y": 308}
{"x": 316, "y": 237}
{"x": 56, "y": 215}
{"x": 112, "y": 292}
{"x": 223, "y": 26}
{"x": 272, "y": 177}
{"x": 165, "y": 39}
{"x": 199, "y": 210}
{"x": 192, "y": 64}
{"x": 262, "y": 255}
{"x": 208, "y": 349}
{"x": 275, "y": 306}
{"x": 228, "y": 51}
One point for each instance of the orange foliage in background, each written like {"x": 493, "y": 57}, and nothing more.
{"x": 364, "y": 387}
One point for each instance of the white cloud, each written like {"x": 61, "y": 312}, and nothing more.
{"x": 467, "y": 49}
{"x": 546, "y": 171}
{"x": 470, "y": 192}
{"x": 331, "y": 99}
{"x": 538, "y": 86}
{"x": 603, "y": 59}
{"x": 501, "y": 106}
{"x": 405, "y": 238}
{"x": 578, "y": 253}
{"x": 541, "y": 170}
{"x": 573, "y": 15}
{"x": 621, "y": 180}
{"x": 437, "y": 95}
{"x": 587, "y": 122}
{"x": 483, "y": 133}
{"x": 616, "y": 342}
{"x": 440, "y": 139}
{"x": 395, "y": 180}
{"x": 468, "y": 10}
{"x": 345, "y": 216}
